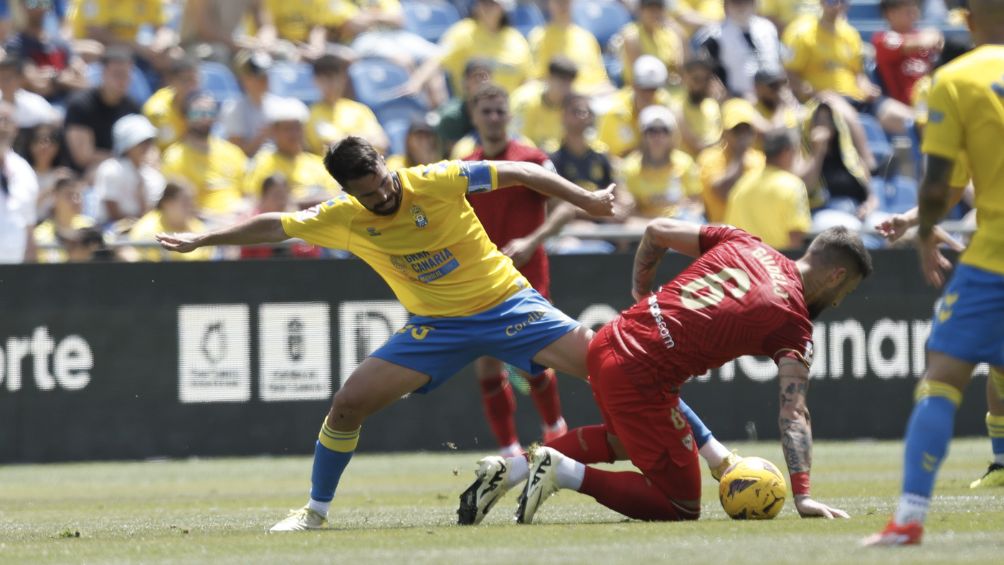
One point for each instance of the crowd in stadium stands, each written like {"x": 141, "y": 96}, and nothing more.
{"x": 119, "y": 120}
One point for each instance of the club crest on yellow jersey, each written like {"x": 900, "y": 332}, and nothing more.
{"x": 421, "y": 220}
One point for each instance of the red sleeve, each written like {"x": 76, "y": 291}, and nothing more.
{"x": 713, "y": 235}
{"x": 889, "y": 59}
{"x": 796, "y": 345}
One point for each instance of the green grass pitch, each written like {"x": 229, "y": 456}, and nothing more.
{"x": 400, "y": 509}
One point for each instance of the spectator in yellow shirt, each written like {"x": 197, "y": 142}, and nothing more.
{"x": 421, "y": 146}
{"x": 164, "y": 108}
{"x": 697, "y": 106}
{"x": 536, "y": 106}
{"x": 774, "y": 100}
{"x": 783, "y": 12}
{"x": 826, "y": 55}
{"x": 772, "y": 203}
{"x": 486, "y": 33}
{"x": 299, "y": 26}
{"x": 308, "y": 180}
{"x": 66, "y": 219}
{"x": 654, "y": 33}
{"x": 618, "y": 128}
{"x": 175, "y": 212}
{"x": 212, "y": 166}
{"x": 114, "y": 22}
{"x": 334, "y": 116}
{"x": 722, "y": 165}
{"x": 562, "y": 37}
{"x": 662, "y": 180}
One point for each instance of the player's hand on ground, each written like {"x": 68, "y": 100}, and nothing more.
{"x": 601, "y": 202}
{"x": 933, "y": 264}
{"x": 809, "y": 508}
{"x": 179, "y": 242}
{"x": 520, "y": 250}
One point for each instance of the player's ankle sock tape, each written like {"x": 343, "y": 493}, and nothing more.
{"x": 927, "y": 437}
{"x": 343, "y": 442}
{"x": 701, "y": 432}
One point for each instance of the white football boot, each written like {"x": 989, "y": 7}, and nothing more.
{"x": 299, "y": 521}
{"x": 491, "y": 484}
{"x": 541, "y": 484}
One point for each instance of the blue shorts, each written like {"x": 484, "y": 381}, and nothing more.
{"x": 514, "y": 332}
{"x": 969, "y": 318}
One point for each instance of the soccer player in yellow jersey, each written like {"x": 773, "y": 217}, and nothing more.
{"x": 965, "y": 119}
{"x": 416, "y": 229}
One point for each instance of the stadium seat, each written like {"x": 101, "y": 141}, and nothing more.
{"x": 429, "y": 18}
{"x": 863, "y": 10}
{"x": 395, "y": 116}
{"x": 526, "y": 16}
{"x": 602, "y": 18}
{"x": 897, "y": 194}
{"x": 139, "y": 88}
{"x": 217, "y": 79}
{"x": 293, "y": 80}
{"x": 615, "y": 68}
{"x": 878, "y": 141}
{"x": 374, "y": 79}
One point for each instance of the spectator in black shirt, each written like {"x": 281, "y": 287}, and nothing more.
{"x": 90, "y": 114}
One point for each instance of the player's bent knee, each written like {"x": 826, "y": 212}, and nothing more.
{"x": 348, "y": 410}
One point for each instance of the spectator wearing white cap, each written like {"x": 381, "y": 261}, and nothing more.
{"x": 618, "y": 128}
{"x": 128, "y": 185}
{"x": 18, "y": 193}
{"x": 663, "y": 180}
{"x": 309, "y": 181}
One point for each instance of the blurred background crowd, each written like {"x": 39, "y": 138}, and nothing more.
{"x": 121, "y": 119}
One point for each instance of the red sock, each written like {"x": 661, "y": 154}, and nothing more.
{"x": 632, "y": 495}
{"x": 500, "y": 405}
{"x": 544, "y": 390}
{"x": 586, "y": 445}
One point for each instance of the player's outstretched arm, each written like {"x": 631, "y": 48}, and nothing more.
{"x": 263, "y": 228}
{"x": 662, "y": 234}
{"x": 796, "y": 438}
{"x": 517, "y": 173}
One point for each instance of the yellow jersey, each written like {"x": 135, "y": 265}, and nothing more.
{"x": 151, "y": 224}
{"x": 305, "y": 174}
{"x": 965, "y": 119}
{"x": 663, "y": 43}
{"x": 704, "y": 120}
{"x": 433, "y": 252}
{"x": 45, "y": 234}
{"x": 712, "y": 162}
{"x": 170, "y": 123}
{"x": 293, "y": 21}
{"x": 329, "y": 123}
{"x": 507, "y": 48}
{"x": 534, "y": 119}
{"x": 659, "y": 191}
{"x": 217, "y": 176}
{"x": 770, "y": 203}
{"x": 710, "y": 9}
{"x": 827, "y": 60}
{"x": 787, "y": 11}
{"x": 575, "y": 43}
{"x": 123, "y": 19}
{"x": 618, "y": 127}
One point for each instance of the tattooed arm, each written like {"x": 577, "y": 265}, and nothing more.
{"x": 796, "y": 437}
{"x": 662, "y": 234}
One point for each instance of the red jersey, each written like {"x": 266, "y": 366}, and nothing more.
{"x": 899, "y": 71}
{"x": 515, "y": 211}
{"x": 740, "y": 297}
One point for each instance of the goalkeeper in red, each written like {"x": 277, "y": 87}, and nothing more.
{"x": 739, "y": 297}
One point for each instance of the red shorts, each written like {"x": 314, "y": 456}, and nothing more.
{"x": 655, "y": 434}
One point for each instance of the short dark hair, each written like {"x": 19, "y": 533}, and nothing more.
{"x": 777, "y": 141}
{"x": 840, "y": 246}
{"x": 271, "y": 182}
{"x": 572, "y": 98}
{"x": 488, "y": 91}
{"x": 563, "y": 67}
{"x": 475, "y": 64}
{"x": 173, "y": 190}
{"x": 351, "y": 158}
{"x": 195, "y": 95}
{"x": 116, "y": 54}
{"x": 14, "y": 62}
{"x": 886, "y": 5}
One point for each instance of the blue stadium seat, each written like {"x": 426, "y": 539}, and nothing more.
{"x": 293, "y": 80}
{"x": 878, "y": 141}
{"x": 863, "y": 10}
{"x": 526, "y": 16}
{"x": 615, "y": 68}
{"x": 602, "y": 18}
{"x": 139, "y": 88}
{"x": 897, "y": 194}
{"x": 395, "y": 116}
{"x": 868, "y": 28}
{"x": 217, "y": 79}
{"x": 374, "y": 78}
{"x": 429, "y": 18}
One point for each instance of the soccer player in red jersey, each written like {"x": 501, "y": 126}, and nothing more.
{"x": 740, "y": 297}
{"x": 517, "y": 221}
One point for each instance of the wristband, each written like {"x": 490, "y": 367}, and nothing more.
{"x": 800, "y": 484}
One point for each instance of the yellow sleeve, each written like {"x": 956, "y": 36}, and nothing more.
{"x": 857, "y": 57}
{"x": 462, "y": 177}
{"x": 960, "y": 173}
{"x": 798, "y": 49}
{"x": 943, "y": 133}
{"x": 326, "y": 224}
{"x": 796, "y": 206}
{"x": 172, "y": 163}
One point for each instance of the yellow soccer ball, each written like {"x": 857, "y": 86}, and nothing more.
{"x": 752, "y": 489}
